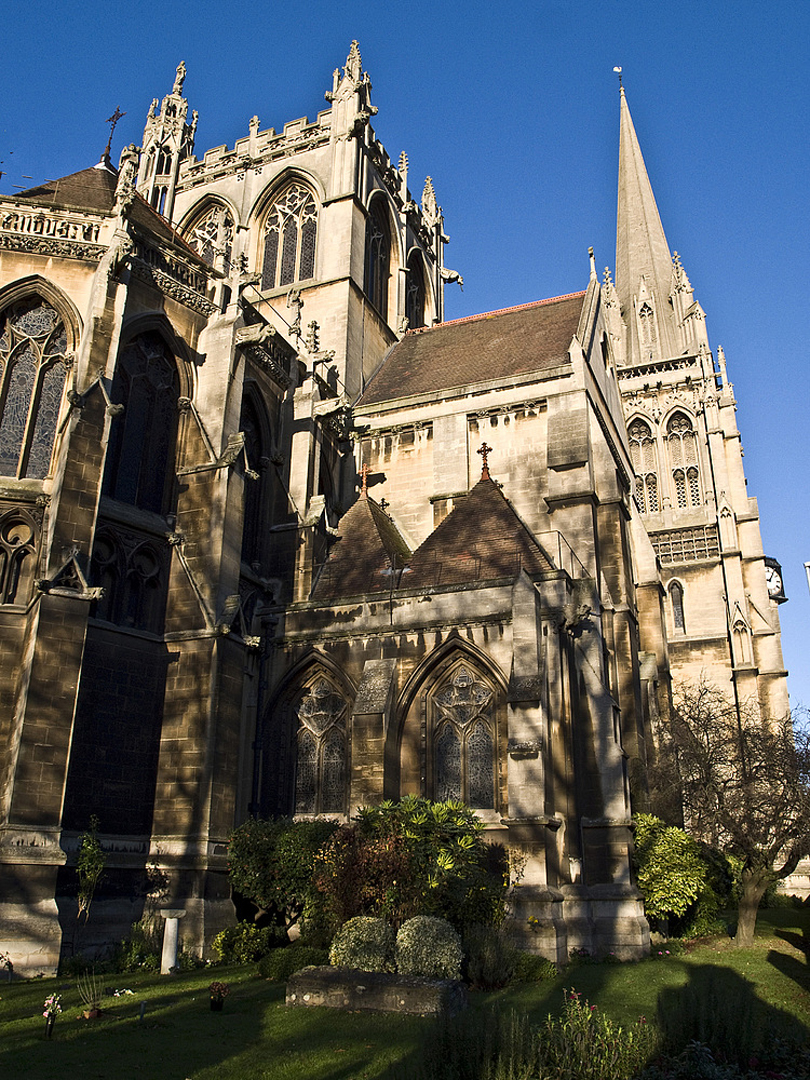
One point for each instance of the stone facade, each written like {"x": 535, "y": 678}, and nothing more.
{"x": 252, "y": 562}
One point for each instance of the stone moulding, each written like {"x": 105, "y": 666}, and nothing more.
{"x": 347, "y": 988}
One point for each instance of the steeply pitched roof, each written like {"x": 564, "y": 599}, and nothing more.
{"x": 89, "y": 189}
{"x": 481, "y": 539}
{"x": 362, "y": 558}
{"x": 497, "y": 345}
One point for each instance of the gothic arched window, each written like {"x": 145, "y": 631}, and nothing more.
{"x": 676, "y": 600}
{"x": 647, "y": 331}
{"x": 290, "y": 234}
{"x": 211, "y": 234}
{"x": 642, "y": 452}
{"x": 415, "y": 292}
{"x": 132, "y": 574}
{"x": 463, "y": 735}
{"x": 18, "y": 545}
{"x": 683, "y": 456}
{"x": 255, "y": 501}
{"x": 33, "y": 370}
{"x": 378, "y": 257}
{"x": 321, "y": 773}
{"x": 140, "y": 455}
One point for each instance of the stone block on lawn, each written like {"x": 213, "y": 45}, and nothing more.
{"x": 348, "y": 988}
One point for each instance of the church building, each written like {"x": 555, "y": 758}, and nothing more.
{"x": 276, "y": 538}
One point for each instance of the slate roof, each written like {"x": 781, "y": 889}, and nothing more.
{"x": 362, "y": 557}
{"x": 481, "y": 348}
{"x": 481, "y": 539}
{"x": 94, "y": 189}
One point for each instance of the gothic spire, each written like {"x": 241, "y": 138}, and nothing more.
{"x": 643, "y": 260}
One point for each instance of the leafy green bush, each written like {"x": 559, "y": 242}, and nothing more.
{"x": 428, "y": 946}
{"x": 280, "y": 964}
{"x": 271, "y": 863}
{"x": 489, "y": 956}
{"x": 529, "y": 967}
{"x": 671, "y": 872}
{"x": 246, "y": 942}
{"x": 584, "y": 1044}
{"x": 141, "y": 950}
{"x": 414, "y": 857}
{"x": 364, "y": 943}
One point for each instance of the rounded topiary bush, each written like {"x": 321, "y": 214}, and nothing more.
{"x": 364, "y": 943}
{"x": 429, "y": 946}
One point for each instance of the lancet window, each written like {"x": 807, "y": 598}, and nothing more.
{"x": 642, "y": 452}
{"x": 290, "y": 234}
{"x": 464, "y": 738}
{"x": 18, "y": 544}
{"x": 33, "y": 372}
{"x": 676, "y": 600}
{"x": 212, "y": 235}
{"x": 683, "y": 456}
{"x": 322, "y": 751}
{"x": 140, "y": 455}
{"x": 415, "y": 293}
{"x": 378, "y": 257}
{"x": 647, "y": 332}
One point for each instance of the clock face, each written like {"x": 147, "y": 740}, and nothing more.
{"x": 774, "y": 581}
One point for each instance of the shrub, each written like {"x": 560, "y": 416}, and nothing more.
{"x": 141, "y": 950}
{"x": 529, "y": 967}
{"x": 246, "y": 942}
{"x": 364, "y": 943}
{"x": 429, "y": 946}
{"x": 584, "y": 1044}
{"x": 670, "y": 870}
{"x": 280, "y": 964}
{"x": 489, "y": 956}
{"x": 271, "y": 863}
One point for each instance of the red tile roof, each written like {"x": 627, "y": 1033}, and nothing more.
{"x": 480, "y": 348}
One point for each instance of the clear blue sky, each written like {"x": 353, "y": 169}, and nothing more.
{"x": 514, "y": 112}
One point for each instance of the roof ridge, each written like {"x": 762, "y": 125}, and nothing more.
{"x": 498, "y": 311}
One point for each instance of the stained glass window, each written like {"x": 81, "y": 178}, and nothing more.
{"x": 676, "y": 596}
{"x": 18, "y": 543}
{"x": 140, "y": 455}
{"x": 291, "y": 229}
{"x": 463, "y": 739}
{"x": 642, "y": 452}
{"x": 33, "y": 371}
{"x": 322, "y": 759}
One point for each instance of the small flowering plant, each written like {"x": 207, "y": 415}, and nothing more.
{"x": 219, "y": 991}
{"x": 52, "y": 1005}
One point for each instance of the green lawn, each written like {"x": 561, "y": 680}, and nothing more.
{"x": 257, "y": 1037}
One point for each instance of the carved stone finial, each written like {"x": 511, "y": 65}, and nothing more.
{"x": 403, "y": 162}
{"x": 354, "y": 64}
{"x": 364, "y": 470}
{"x": 430, "y": 208}
{"x": 313, "y": 340}
{"x": 254, "y": 124}
{"x": 484, "y": 451}
{"x": 179, "y": 78}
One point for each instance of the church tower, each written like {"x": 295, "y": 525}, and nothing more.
{"x": 690, "y": 487}
{"x": 167, "y": 142}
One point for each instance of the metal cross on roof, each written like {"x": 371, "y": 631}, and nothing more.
{"x": 484, "y": 451}
{"x": 112, "y": 121}
{"x": 364, "y": 470}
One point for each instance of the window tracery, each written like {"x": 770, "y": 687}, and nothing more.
{"x": 322, "y": 751}
{"x": 140, "y": 455}
{"x": 18, "y": 546}
{"x": 642, "y": 453}
{"x": 212, "y": 235}
{"x": 290, "y": 236}
{"x": 683, "y": 455}
{"x": 131, "y": 571}
{"x": 378, "y": 257}
{"x": 33, "y": 372}
{"x": 464, "y": 739}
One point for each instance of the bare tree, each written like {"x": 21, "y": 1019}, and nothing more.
{"x": 743, "y": 784}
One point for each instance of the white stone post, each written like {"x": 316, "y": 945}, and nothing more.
{"x": 168, "y": 958}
